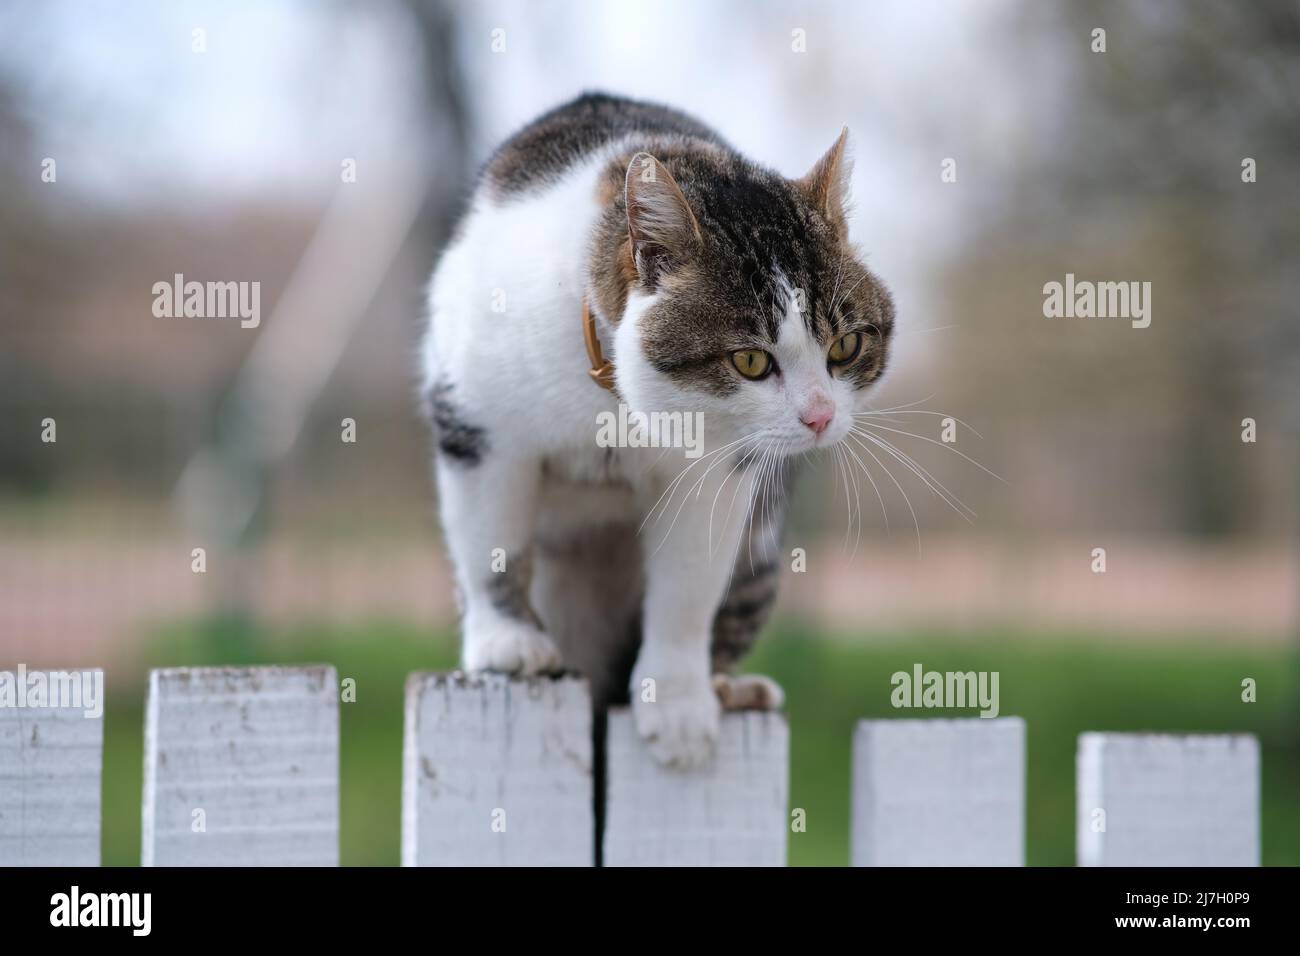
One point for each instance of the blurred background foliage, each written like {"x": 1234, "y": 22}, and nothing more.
{"x": 225, "y": 165}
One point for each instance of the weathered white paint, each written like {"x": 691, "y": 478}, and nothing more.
{"x": 733, "y": 812}
{"x": 939, "y": 792}
{"x": 1168, "y": 800}
{"x": 50, "y": 763}
{"x": 257, "y": 750}
{"x": 497, "y": 771}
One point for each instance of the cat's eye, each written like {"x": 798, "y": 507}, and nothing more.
{"x": 752, "y": 363}
{"x": 845, "y": 348}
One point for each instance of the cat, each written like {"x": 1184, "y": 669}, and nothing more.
{"x": 714, "y": 287}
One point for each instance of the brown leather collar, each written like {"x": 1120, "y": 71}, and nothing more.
{"x": 602, "y": 369}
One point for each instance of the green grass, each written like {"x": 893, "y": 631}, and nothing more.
{"x": 1061, "y": 686}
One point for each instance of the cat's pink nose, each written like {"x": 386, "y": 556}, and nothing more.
{"x": 818, "y": 417}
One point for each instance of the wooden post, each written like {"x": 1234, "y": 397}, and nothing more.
{"x": 50, "y": 763}
{"x": 1167, "y": 800}
{"x": 497, "y": 771}
{"x": 939, "y": 792}
{"x": 730, "y": 813}
{"x": 242, "y": 767}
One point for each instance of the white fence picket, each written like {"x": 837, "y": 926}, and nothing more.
{"x": 50, "y": 764}
{"x": 241, "y": 767}
{"x": 497, "y": 772}
{"x": 730, "y": 813}
{"x": 939, "y": 792}
{"x": 1167, "y": 800}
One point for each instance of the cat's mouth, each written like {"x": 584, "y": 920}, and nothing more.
{"x": 810, "y": 441}
{"x": 791, "y": 445}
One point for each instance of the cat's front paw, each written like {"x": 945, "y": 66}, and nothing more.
{"x": 678, "y": 721}
{"x": 511, "y": 647}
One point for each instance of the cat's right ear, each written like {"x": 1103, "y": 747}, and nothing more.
{"x": 827, "y": 185}
{"x": 660, "y": 224}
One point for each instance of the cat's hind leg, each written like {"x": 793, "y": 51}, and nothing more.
{"x": 736, "y": 627}
{"x": 587, "y": 587}
{"x": 748, "y": 692}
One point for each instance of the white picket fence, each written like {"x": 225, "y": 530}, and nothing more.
{"x": 242, "y": 768}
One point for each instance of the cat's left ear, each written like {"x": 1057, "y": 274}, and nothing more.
{"x": 827, "y": 185}
{"x": 660, "y": 224}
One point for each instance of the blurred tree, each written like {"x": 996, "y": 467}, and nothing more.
{"x": 1137, "y": 161}
{"x": 447, "y": 115}
{"x": 225, "y": 490}
{"x": 1196, "y": 89}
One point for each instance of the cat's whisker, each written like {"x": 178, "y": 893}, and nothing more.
{"x": 734, "y": 492}
{"x": 754, "y": 504}
{"x": 699, "y": 484}
{"x": 749, "y": 507}
{"x": 776, "y": 502}
{"x": 740, "y": 460}
{"x": 713, "y": 506}
{"x": 839, "y": 467}
{"x": 894, "y": 408}
{"x": 848, "y": 502}
{"x": 755, "y": 469}
{"x": 766, "y": 502}
{"x": 857, "y": 494}
{"x": 845, "y": 451}
{"x": 866, "y": 471}
{"x": 698, "y": 487}
{"x": 757, "y": 496}
{"x": 899, "y": 431}
{"x": 655, "y": 464}
{"x": 672, "y": 485}
{"x": 849, "y": 292}
{"x": 919, "y": 411}
{"x": 775, "y": 499}
{"x": 932, "y": 483}
{"x": 935, "y": 486}
{"x": 853, "y": 436}
{"x": 685, "y": 498}
{"x": 669, "y": 489}
{"x": 857, "y": 500}
{"x": 666, "y": 497}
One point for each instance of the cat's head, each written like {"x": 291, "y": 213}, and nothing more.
{"x": 747, "y": 302}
